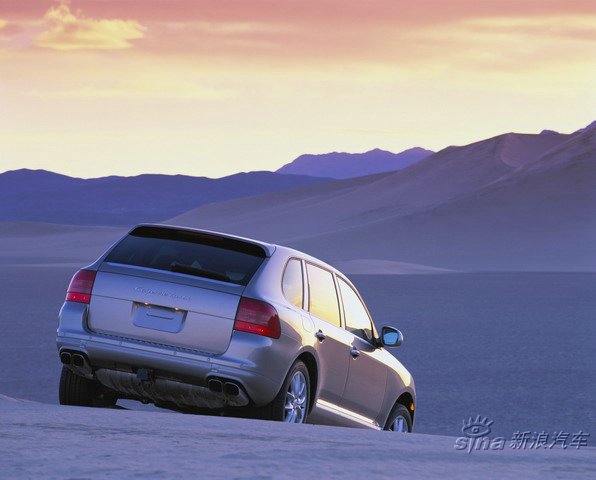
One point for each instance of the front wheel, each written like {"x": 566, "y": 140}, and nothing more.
{"x": 293, "y": 400}
{"x": 399, "y": 420}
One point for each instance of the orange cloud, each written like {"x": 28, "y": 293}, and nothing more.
{"x": 69, "y": 30}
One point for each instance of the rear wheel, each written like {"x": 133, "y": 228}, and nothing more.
{"x": 293, "y": 400}
{"x": 399, "y": 419}
{"x": 82, "y": 392}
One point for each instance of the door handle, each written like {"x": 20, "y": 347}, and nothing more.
{"x": 354, "y": 352}
{"x": 320, "y": 335}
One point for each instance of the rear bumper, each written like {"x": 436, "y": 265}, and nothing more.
{"x": 183, "y": 366}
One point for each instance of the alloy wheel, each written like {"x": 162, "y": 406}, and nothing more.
{"x": 399, "y": 424}
{"x": 296, "y": 399}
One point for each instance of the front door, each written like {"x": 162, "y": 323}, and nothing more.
{"x": 365, "y": 389}
{"x": 367, "y": 377}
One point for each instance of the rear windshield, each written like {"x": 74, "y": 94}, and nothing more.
{"x": 191, "y": 253}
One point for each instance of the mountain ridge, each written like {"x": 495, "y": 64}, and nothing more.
{"x": 40, "y": 195}
{"x": 450, "y": 172}
{"x": 447, "y": 210}
{"x": 342, "y": 165}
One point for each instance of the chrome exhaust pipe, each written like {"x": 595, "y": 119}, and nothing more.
{"x": 231, "y": 389}
{"x": 66, "y": 358}
{"x": 78, "y": 360}
{"x": 215, "y": 385}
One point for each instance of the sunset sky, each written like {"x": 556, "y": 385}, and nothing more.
{"x": 100, "y": 87}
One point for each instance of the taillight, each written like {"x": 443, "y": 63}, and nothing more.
{"x": 254, "y": 316}
{"x": 80, "y": 287}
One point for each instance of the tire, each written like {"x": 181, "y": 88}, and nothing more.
{"x": 399, "y": 419}
{"x": 82, "y": 392}
{"x": 297, "y": 379}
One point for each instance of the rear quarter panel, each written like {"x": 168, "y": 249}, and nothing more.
{"x": 297, "y": 329}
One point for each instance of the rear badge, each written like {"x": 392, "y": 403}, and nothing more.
{"x": 161, "y": 293}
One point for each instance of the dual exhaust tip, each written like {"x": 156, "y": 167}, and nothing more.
{"x": 76, "y": 359}
{"x": 218, "y": 386}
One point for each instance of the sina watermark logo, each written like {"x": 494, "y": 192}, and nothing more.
{"x": 476, "y": 433}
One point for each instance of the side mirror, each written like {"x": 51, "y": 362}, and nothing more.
{"x": 391, "y": 337}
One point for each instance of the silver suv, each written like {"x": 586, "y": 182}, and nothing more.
{"x": 201, "y": 321}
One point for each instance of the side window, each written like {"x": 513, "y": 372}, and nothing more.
{"x": 322, "y": 295}
{"x": 357, "y": 319}
{"x": 292, "y": 282}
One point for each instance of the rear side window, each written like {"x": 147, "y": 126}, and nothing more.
{"x": 322, "y": 294}
{"x": 292, "y": 282}
{"x": 357, "y": 319}
{"x": 191, "y": 253}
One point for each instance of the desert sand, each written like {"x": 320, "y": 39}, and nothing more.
{"x": 68, "y": 442}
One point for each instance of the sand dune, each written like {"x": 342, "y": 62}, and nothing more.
{"x": 447, "y": 174}
{"x": 50, "y": 441}
{"x": 484, "y": 206}
{"x": 538, "y": 217}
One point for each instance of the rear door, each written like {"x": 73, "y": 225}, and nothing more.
{"x": 367, "y": 378}
{"x": 334, "y": 341}
{"x": 173, "y": 287}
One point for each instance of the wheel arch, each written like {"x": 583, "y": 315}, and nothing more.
{"x": 407, "y": 400}
{"x": 309, "y": 359}
{"x": 405, "y": 397}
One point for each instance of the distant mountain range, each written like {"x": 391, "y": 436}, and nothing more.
{"x": 511, "y": 202}
{"x": 349, "y": 165}
{"x": 515, "y": 201}
{"x": 42, "y": 196}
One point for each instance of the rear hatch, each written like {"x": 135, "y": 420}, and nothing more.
{"x": 173, "y": 287}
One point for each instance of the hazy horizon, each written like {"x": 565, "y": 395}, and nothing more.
{"x": 274, "y": 169}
